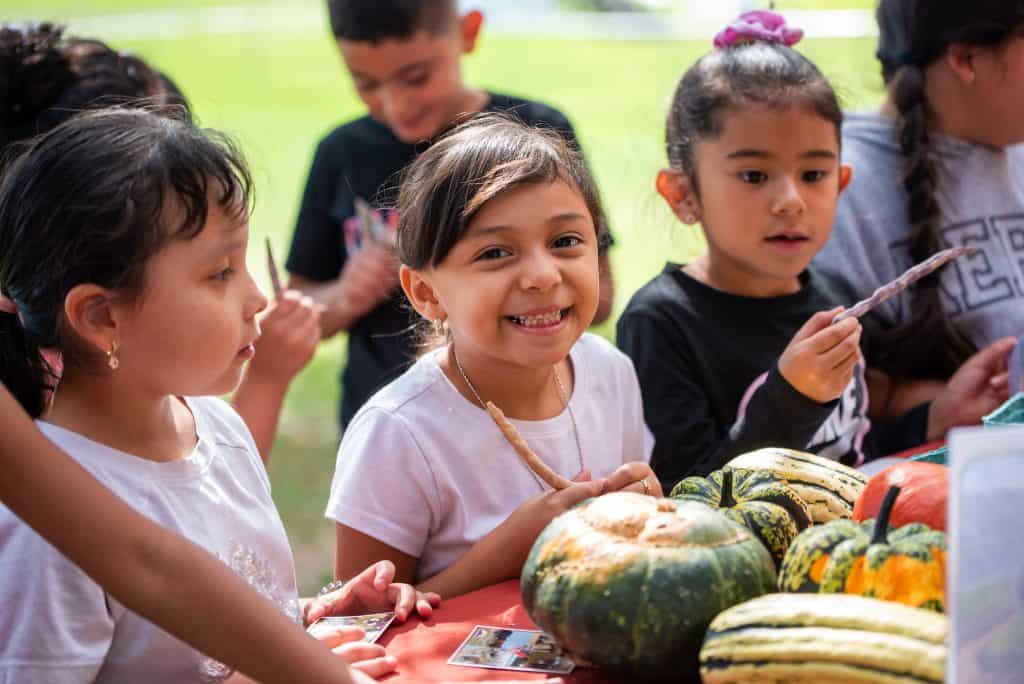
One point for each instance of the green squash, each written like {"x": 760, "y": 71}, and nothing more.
{"x": 630, "y": 583}
{"x": 756, "y": 499}
{"x": 906, "y": 565}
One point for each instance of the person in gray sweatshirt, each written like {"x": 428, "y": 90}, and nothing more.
{"x": 939, "y": 166}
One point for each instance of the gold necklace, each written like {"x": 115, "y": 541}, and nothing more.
{"x": 562, "y": 393}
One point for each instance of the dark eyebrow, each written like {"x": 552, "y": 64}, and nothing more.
{"x": 567, "y": 216}
{"x": 819, "y": 154}
{"x": 557, "y": 218}
{"x": 764, "y": 154}
{"x": 759, "y": 154}
{"x": 400, "y": 72}
{"x": 488, "y": 230}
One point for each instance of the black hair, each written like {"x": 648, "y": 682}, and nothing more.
{"x": 472, "y": 164}
{"x": 91, "y": 201}
{"x": 375, "y": 20}
{"x": 756, "y": 72}
{"x": 46, "y": 78}
{"x": 912, "y": 35}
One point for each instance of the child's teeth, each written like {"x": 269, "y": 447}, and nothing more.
{"x": 539, "y": 321}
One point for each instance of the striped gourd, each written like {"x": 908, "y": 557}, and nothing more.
{"x": 756, "y": 499}
{"x": 829, "y": 488}
{"x": 906, "y": 565}
{"x": 820, "y": 639}
{"x": 629, "y": 583}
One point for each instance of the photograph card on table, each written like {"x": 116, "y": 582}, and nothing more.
{"x": 373, "y": 624}
{"x": 501, "y": 648}
{"x": 985, "y": 581}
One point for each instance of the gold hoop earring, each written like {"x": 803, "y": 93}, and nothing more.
{"x": 112, "y": 361}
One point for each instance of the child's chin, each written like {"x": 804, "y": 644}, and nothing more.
{"x": 223, "y": 385}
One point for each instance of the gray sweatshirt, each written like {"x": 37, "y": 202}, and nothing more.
{"x": 981, "y": 195}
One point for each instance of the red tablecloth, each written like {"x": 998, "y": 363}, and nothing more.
{"x": 424, "y": 646}
{"x": 922, "y": 449}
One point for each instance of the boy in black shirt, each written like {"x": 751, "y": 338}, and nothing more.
{"x": 404, "y": 58}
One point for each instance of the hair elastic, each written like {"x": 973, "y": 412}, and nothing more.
{"x": 758, "y": 25}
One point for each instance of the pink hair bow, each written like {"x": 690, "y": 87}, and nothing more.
{"x": 758, "y": 25}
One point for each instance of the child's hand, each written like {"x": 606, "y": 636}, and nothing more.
{"x": 372, "y": 591}
{"x": 820, "y": 358}
{"x": 290, "y": 331}
{"x": 630, "y": 477}
{"x": 369, "y": 277}
{"x": 975, "y": 390}
{"x": 345, "y": 641}
{"x": 533, "y": 515}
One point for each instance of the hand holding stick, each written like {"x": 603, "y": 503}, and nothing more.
{"x": 904, "y": 281}
{"x": 542, "y": 469}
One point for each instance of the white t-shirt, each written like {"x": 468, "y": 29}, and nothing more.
{"x": 60, "y": 627}
{"x": 424, "y": 470}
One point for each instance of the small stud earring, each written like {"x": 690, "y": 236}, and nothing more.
{"x": 690, "y": 218}
{"x": 112, "y": 361}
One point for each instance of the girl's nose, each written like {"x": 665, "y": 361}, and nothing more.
{"x": 257, "y": 301}
{"x": 789, "y": 200}
{"x": 540, "y": 273}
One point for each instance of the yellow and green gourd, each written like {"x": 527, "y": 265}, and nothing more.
{"x": 823, "y": 639}
{"x": 756, "y": 499}
{"x": 829, "y": 488}
{"x": 906, "y": 565}
{"x": 629, "y": 583}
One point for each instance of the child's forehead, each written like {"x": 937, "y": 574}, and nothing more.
{"x": 218, "y": 219}
{"x": 550, "y": 201}
{"x": 382, "y": 57}
{"x": 773, "y": 126}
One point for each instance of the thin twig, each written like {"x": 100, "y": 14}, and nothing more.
{"x": 533, "y": 461}
{"x": 904, "y": 281}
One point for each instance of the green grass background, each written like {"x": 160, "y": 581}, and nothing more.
{"x": 278, "y": 91}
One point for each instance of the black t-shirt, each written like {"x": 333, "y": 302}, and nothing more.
{"x": 363, "y": 159}
{"x": 707, "y": 365}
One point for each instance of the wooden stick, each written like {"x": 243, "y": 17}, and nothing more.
{"x": 275, "y": 275}
{"x": 533, "y": 461}
{"x": 914, "y": 274}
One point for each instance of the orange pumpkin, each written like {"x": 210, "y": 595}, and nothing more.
{"x": 923, "y": 491}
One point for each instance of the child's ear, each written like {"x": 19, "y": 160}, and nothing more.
{"x": 469, "y": 30}
{"x": 420, "y": 293}
{"x": 959, "y": 58}
{"x": 677, "y": 190}
{"x": 845, "y": 176}
{"x": 90, "y": 312}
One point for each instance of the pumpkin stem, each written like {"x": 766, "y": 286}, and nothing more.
{"x": 726, "y": 501}
{"x": 882, "y": 521}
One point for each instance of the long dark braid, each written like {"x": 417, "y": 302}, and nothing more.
{"x": 913, "y": 34}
